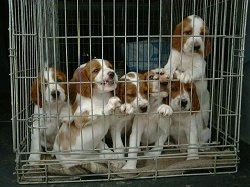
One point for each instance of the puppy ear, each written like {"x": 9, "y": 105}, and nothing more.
{"x": 83, "y": 85}
{"x": 207, "y": 44}
{"x": 176, "y": 40}
{"x": 120, "y": 91}
{"x": 72, "y": 92}
{"x": 195, "y": 100}
{"x": 36, "y": 94}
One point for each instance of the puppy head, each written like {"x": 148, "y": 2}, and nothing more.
{"x": 51, "y": 84}
{"x": 191, "y": 37}
{"x": 157, "y": 82}
{"x": 95, "y": 76}
{"x": 133, "y": 89}
{"x": 183, "y": 97}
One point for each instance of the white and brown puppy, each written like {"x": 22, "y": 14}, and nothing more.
{"x": 132, "y": 91}
{"x": 190, "y": 45}
{"x": 186, "y": 126}
{"x": 49, "y": 94}
{"x": 145, "y": 128}
{"x": 93, "y": 83}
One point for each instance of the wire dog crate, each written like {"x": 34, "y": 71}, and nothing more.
{"x": 133, "y": 36}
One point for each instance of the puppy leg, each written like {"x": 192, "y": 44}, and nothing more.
{"x": 158, "y": 147}
{"x": 134, "y": 143}
{"x": 192, "y": 137}
{"x": 35, "y": 147}
{"x": 106, "y": 153}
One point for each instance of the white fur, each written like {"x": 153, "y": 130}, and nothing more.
{"x": 186, "y": 127}
{"x": 48, "y": 118}
{"x": 100, "y": 106}
{"x": 145, "y": 127}
{"x": 122, "y": 123}
{"x": 89, "y": 143}
{"x": 192, "y": 66}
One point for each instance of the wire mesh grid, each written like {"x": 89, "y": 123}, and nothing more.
{"x": 134, "y": 36}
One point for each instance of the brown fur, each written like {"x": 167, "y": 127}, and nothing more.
{"x": 36, "y": 93}
{"x": 178, "y": 40}
{"x": 177, "y": 87}
{"x": 84, "y": 79}
{"x": 127, "y": 91}
{"x": 68, "y": 137}
{"x": 180, "y": 37}
{"x": 208, "y": 48}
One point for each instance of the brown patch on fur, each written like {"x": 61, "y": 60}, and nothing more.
{"x": 177, "y": 87}
{"x": 207, "y": 43}
{"x": 184, "y": 30}
{"x": 36, "y": 95}
{"x": 81, "y": 120}
{"x": 84, "y": 78}
{"x": 36, "y": 88}
{"x": 127, "y": 91}
{"x": 191, "y": 89}
{"x": 67, "y": 137}
{"x": 61, "y": 79}
{"x": 178, "y": 41}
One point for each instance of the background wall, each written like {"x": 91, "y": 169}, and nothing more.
{"x": 245, "y": 119}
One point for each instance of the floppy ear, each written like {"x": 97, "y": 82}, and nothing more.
{"x": 195, "y": 100}
{"x": 83, "y": 85}
{"x": 72, "y": 92}
{"x": 176, "y": 40}
{"x": 207, "y": 44}
{"x": 36, "y": 95}
{"x": 120, "y": 91}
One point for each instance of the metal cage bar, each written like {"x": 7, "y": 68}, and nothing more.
{"x": 135, "y": 36}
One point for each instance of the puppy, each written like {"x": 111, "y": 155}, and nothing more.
{"x": 189, "y": 47}
{"x": 93, "y": 104}
{"x": 145, "y": 126}
{"x": 49, "y": 95}
{"x": 186, "y": 126}
{"x": 133, "y": 95}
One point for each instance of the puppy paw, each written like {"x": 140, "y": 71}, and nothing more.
{"x": 185, "y": 77}
{"x": 67, "y": 119}
{"x": 113, "y": 103}
{"x": 34, "y": 159}
{"x": 127, "y": 108}
{"x": 165, "y": 110}
{"x": 129, "y": 166}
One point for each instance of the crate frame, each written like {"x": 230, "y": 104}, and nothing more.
{"x": 32, "y": 40}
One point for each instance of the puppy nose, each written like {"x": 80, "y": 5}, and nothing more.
{"x": 144, "y": 108}
{"x": 111, "y": 74}
{"x": 55, "y": 94}
{"x": 197, "y": 47}
{"x": 184, "y": 103}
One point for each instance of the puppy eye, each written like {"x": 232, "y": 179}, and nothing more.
{"x": 161, "y": 73}
{"x": 59, "y": 80}
{"x": 174, "y": 89}
{"x": 130, "y": 95}
{"x": 151, "y": 77}
{"x": 187, "y": 32}
{"x": 95, "y": 71}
